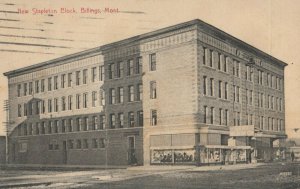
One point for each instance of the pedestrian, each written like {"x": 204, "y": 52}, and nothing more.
{"x": 292, "y": 156}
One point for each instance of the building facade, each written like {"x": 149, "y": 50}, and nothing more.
{"x": 188, "y": 93}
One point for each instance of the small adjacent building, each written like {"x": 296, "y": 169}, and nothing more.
{"x": 184, "y": 94}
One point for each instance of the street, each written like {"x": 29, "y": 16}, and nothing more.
{"x": 250, "y": 176}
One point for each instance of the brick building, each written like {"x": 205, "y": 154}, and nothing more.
{"x": 182, "y": 94}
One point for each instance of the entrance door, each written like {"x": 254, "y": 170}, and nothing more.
{"x": 64, "y": 151}
{"x": 131, "y": 151}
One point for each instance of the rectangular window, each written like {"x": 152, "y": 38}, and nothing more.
{"x": 84, "y": 76}
{"x": 111, "y": 71}
{"x": 130, "y": 93}
{"x": 49, "y": 105}
{"x": 43, "y": 85}
{"x": 130, "y": 67}
{"x": 70, "y": 102}
{"x": 37, "y": 128}
{"x": 139, "y": 92}
{"x": 102, "y": 122}
{"x": 152, "y": 62}
{"x": 94, "y": 74}
{"x": 153, "y": 117}
{"x": 25, "y": 109}
{"x": 43, "y": 106}
{"x": 226, "y": 117}
{"x": 211, "y": 54}
{"x": 139, "y": 65}
{"x": 153, "y": 90}
{"x": 25, "y": 89}
{"x": 140, "y": 117}
{"x": 212, "y": 112}
{"x": 56, "y": 126}
{"x": 37, "y": 86}
{"x": 121, "y": 120}
{"x": 121, "y": 95}
{"x": 211, "y": 87}
{"x": 78, "y": 144}
{"x": 55, "y": 82}
{"x": 225, "y": 64}
{"x": 120, "y": 69}
{"x": 112, "y": 121}
{"x": 94, "y": 143}
{"x": 205, "y": 114}
{"x": 94, "y": 123}
{"x": 63, "y": 125}
{"x": 63, "y": 80}
{"x": 78, "y": 124}
{"x": 226, "y": 91}
{"x": 85, "y": 124}
{"x": 19, "y": 110}
{"x": 102, "y": 97}
{"x": 69, "y": 79}
{"x": 49, "y": 84}
{"x": 220, "y": 116}
{"x": 101, "y": 73}
{"x": 19, "y": 90}
{"x": 71, "y": 127}
{"x": 30, "y": 88}
{"x": 85, "y": 100}
{"x": 85, "y": 144}
{"x": 204, "y": 85}
{"x": 71, "y": 144}
{"x": 55, "y": 105}
{"x": 220, "y": 89}
{"x": 63, "y": 103}
{"x": 251, "y": 97}
{"x": 131, "y": 119}
{"x": 219, "y": 61}
{"x": 94, "y": 98}
{"x": 50, "y": 127}
{"x": 37, "y": 107}
{"x": 77, "y": 77}
{"x": 112, "y": 96}
{"x": 78, "y": 101}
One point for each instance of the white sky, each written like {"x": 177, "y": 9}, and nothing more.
{"x": 25, "y": 39}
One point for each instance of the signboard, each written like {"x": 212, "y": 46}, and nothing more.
{"x": 236, "y": 131}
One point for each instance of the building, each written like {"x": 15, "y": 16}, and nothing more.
{"x": 188, "y": 93}
{"x": 2, "y": 150}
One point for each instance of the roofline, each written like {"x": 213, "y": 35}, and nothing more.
{"x": 99, "y": 49}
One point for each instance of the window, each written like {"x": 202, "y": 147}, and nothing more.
{"x": 37, "y": 86}
{"x": 112, "y": 119}
{"x": 85, "y": 100}
{"x": 102, "y": 97}
{"x": 102, "y": 122}
{"x": 205, "y": 114}
{"x": 37, "y": 128}
{"x": 78, "y": 124}
{"x": 30, "y": 129}
{"x": 211, "y": 58}
{"x": 220, "y": 89}
{"x": 139, "y": 65}
{"x": 152, "y": 62}
{"x": 130, "y": 119}
{"x": 49, "y": 105}
{"x": 77, "y": 77}
{"x": 204, "y": 57}
{"x": 19, "y": 110}
{"x": 211, "y": 87}
{"x": 69, "y": 79}
{"x": 25, "y": 129}
{"x": 140, "y": 118}
{"x": 112, "y": 96}
{"x": 30, "y": 88}
{"x": 94, "y": 74}
{"x": 85, "y": 144}
{"x": 247, "y": 97}
{"x": 37, "y": 107}
{"x": 85, "y": 124}
{"x": 71, "y": 144}
{"x": 56, "y": 126}
{"x": 130, "y": 67}
{"x": 121, "y": 120}
{"x": 63, "y": 125}
{"x": 153, "y": 117}
{"x": 84, "y": 76}
{"x": 55, "y": 105}
{"x": 204, "y": 85}
{"x": 63, "y": 103}
{"x": 220, "y": 116}
{"x": 63, "y": 80}
{"x": 30, "y": 107}
{"x": 212, "y": 112}
{"x": 140, "y": 92}
{"x": 43, "y": 128}
{"x": 95, "y": 123}
{"x": 95, "y": 143}
{"x": 101, "y": 73}
{"x": 94, "y": 98}
{"x": 236, "y": 68}
{"x": 251, "y": 98}
{"x": 130, "y": 93}
{"x": 219, "y": 61}
{"x": 55, "y": 82}
{"x": 70, "y": 103}
{"x": 101, "y": 143}
{"x": 19, "y": 90}
{"x": 121, "y": 95}
{"x": 23, "y": 146}
{"x": 43, "y": 106}
{"x": 226, "y": 91}
{"x": 78, "y": 101}
{"x": 280, "y": 104}
{"x": 225, "y": 63}
{"x": 111, "y": 71}
{"x": 120, "y": 69}
{"x": 49, "y": 84}
{"x": 226, "y": 117}
{"x": 25, "y": 89}
{"x": 43, "y": 85}
{"x": 50, "y": 127}
{"x": 70, "y": 129}
{"x": 25, "y": 109}
{"x": 78, "y": 144}
{"x": 153, "y": 90}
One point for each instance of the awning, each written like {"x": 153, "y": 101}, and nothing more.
{"x": 228, "y": 147}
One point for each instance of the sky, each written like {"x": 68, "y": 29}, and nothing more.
{"x": 272, "y": 26}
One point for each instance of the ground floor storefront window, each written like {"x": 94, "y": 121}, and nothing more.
{"x": 182, "y": 156}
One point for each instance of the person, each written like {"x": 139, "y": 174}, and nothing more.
{"x": 292, "y": 156}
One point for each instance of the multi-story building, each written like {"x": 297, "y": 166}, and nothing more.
{"x": 182, "y": 94}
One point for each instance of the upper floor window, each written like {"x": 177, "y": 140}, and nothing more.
{"x": 236, "y": 68}
{"x": 19, "y": 110}
{"x": 94, "y": 98}
{"x": 130, "y": 93}
{"x": 69, "y": 79}
{"x": 19, "y": 90}
{"x": 101, "y": 73}
{"x": 63, "y": 103}
{"x": 43, "y": 85}
{"x": 111, "y": 70}
{"x": 130, "y": 67}
{"x": 25, "y": 89}
{"x": 140, "y": 117}
{"x": 55, "y": 105}
{"x": 139, "y": 92}
{"x": 37, "y": 86}
{"x": 121, "y": 120}
{"x": 121, "y": 94}
{"x": 77, "y": 77}
{"x": 211, "y": 87}
{"x": 204, "y": 85}
{"x": 112, "y": 121}
{"x": 84, "y": 76}
{"x": 78, "y": 101}
{"x": 55, "y": 82}
{"x": 85, "y": 100}
{"x": 102, "y": 97}
{"x": 139, "y": 65}
{"x": 94, "y": 74}
{"x": 153, "y": 117}
{"x": 152, "y": 62}
{"x": 120, "y": 69}
{"x": 63, "y": 80}
{"x": 153, "y": 90}
{"x": 70, "y": 102}
{"x": 112, "y": 96}
{"x": 130, "y": 119}
{"x": 49, "y": 105}
{"x": 49, "y": 84}
{"x": 30, "y": 88}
